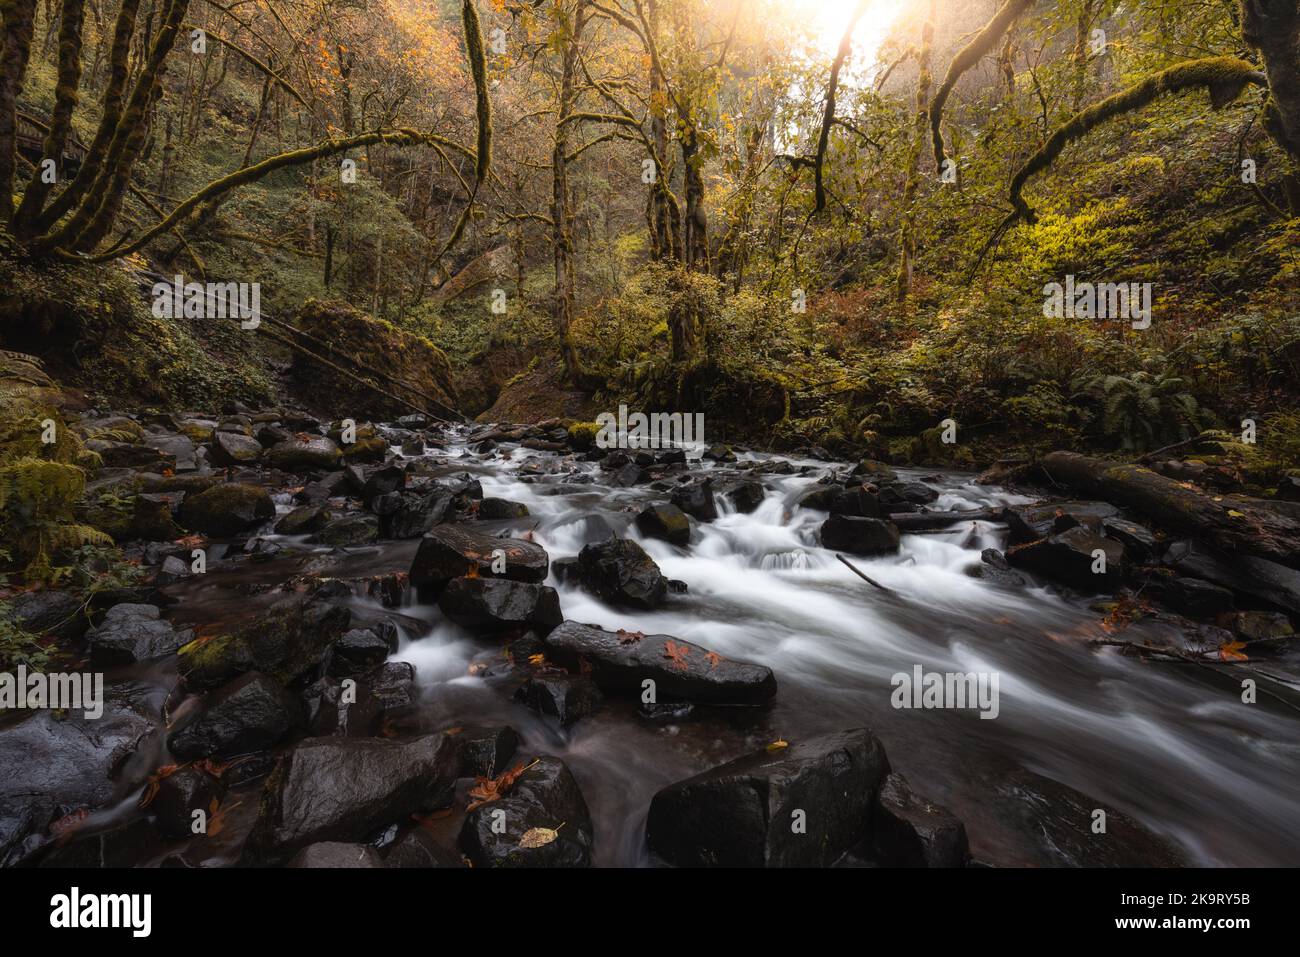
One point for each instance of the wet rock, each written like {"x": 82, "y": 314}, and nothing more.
{"x": 621, "y": 662}
{"x": 371, "y": 481}
{"x": 500, "y": 509}
{"x": 620, "y": 571}
{"x": 486, "y": 752}
{"x": 665, "y": 522}
{"x": 336, "y": 854}
{"x": 493, "y": 604}
{"x": 1040, "y": 521}
{"x": 49, "y": 611}
{"x": 232, "y": 448}
{"x": 567, "y": 698}
{"x": 1073, "y": 557}
{"x": 179, "y": 447}
{"x": 180, "y": 794}
{"x": 286, "y": 643}
{"x": 746, "y": 495}
{"x": 350, "y": 530}
{"x": 1260, "y": 625}
{"x": 910, "y": 831}
{"x": 226, "y": 510}
{"x": 1197, "y": 598}
{"x": 1055, "y": 824}
{"x": 413, "y": 514}
{"x": 820, "y": 497}
{"x": 1288, "y": 489}
{"x": 346, "y": 789}
{"x": 858, "y": 501}
{"x": 173, "y": 570}
{"x": 55, "y": 765}
{"x": 993, "y": 568}
{"x": 696, "y": 500}
{"x": 384, "y": 692}
{"x": 251, "y": 713}
{"x": 1139, "y": 542}
{"x": 131, "y": 455}
{"x": 367, "y": 446}
{"x": 303, "y": 520}
{"x": 544, "y": 796}
{"x": 270, "y": 435}
{"x": 449, "y": 551}
{"x": 413, "y": 447}
{"x": 666, "y": 712}
{"x": 333, "y": 485}
{"x": 859, "y": 536}
{"x": 151, "y": 519}
{"x": 630, "y": 475}
{"x": 415, "y": 848}
{"x": 916, "y": 493}
{"x": 719, "y": 453}
{"x": 132, "y": 632}
{"x": 877, "y": 473}
{"x": 305, "y": 453}
{"x": 743, "y": 813}
{"x": 1266, "y": 581}
{"x": 362, "y": 648}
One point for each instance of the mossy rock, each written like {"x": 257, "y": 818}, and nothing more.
{"x": 286, "y": 643}
{"x": 226, "y": 510}
{"x": 350, "y": 530}
{"x": 582, "y": 435}
{"x": 305, "y": 453}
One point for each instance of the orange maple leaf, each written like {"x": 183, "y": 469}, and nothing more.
{"x": 1231, "y": 651}
{"x": 714, "y": 659}
{"x": 490, "y": 789}
{"x": 677, "y": 654}
{"x": 629, "y": 637}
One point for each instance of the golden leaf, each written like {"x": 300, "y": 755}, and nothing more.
{"x": 539, "y": 836}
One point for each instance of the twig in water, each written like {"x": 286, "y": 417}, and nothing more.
{"x": 859, "y": 573}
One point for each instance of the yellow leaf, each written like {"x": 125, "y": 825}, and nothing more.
{"x": 778, "y": 745}
{"x": 539, "y": 836}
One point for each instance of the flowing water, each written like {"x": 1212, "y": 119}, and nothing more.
{"x": 1168, "y": 744}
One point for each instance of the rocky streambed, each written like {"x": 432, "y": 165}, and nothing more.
{"x": 497, "y": 645}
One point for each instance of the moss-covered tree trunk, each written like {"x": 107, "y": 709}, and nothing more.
{"x": 19, "y": 17}
{"x": 1273, "y": 28}
{"x": 571, "y": 22}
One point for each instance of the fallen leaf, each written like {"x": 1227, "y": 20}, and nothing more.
{"x": 714, "y": 659}
{"x": 629, "y": 637}
{"x": 155, "y": 781}
{"x": 1231, "y": 651}
{"x": 539, "y": 836}
{"x": 677, "y": 655}
{"x": 490, "y": 789}
{"x": 537, "y": 660}
{"x": 778, "y": 745}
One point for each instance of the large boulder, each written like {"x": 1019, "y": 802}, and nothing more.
{"x": 496, "y": 604}
{"x": 545, "y": 796}
{"x": 859, "y": 536}
{"x": 801, "y": 805}
{"x": 418, "y": 371}
{"x": 305, "y": 453}
{"x": 451, "y": 551}
{"x": 567, "y": 698}
{"x": 621, "y": 661}
{"x": 226, "y": 510}
{"x": 251, "y": 713}
{"x": 346, "y": 789}
{"x": 234, "y": 449}
{"x": 696, "y": 500}
{"x": 1078, "y": 557}
{"x": 286, "y": 642}
{"x": 618, "y": 570}
{"x": 910, "y": 831}
{"x": 665, "y": 522}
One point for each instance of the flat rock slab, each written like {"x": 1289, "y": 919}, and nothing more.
{"x": 132, "y": 632}
{"x": 449, "y": 551}
{"x": 803, "y": 805}
{"x": 620, "y": 662}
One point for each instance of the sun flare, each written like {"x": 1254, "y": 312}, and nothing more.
{"x": 830, "y": 17}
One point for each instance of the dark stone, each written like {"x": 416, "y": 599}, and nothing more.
{"x": 336, "y": 854}
{"x": 1198, "y": 598}
{"x": 413, "y": 514}
{"x": 180, "y": 794}
{"x": 666, "y": 522}
{"x": 993, "y": 568}
{"x": 1068, "y": 557}
{"x": 349, "y": 530}
{"x": 620, "y": 571}
{"x": 820, "y": 497}
{"x": 859, "y": 536}
{"x": 251, "y": 713}
{"x": 857, "y": 500}
{"x": 500, "y": 509}
{"x": 743, "y": 813}
{"x": 305, "y": 453}
{"x": 1288, "y": 489}
{"x": 495, "y": 603}
{"x": 910, "y": 831}
{"x": 303, "y": 520}
{"x": 620, "y": 662}
{"x": 1040, "y": 521}
{"x": 360, "y": 649}
{"x": 232, "y": 448}
{"x": 745, "y": 496}
{"x": 696, "y": 500}
{"x": 449, "y": 551}
{"x": 486, "y": 752}
{"x": 415, "y": 848}
{"x": 1261, "y": 625}
{"x": 1139, "y": 542}
{"x": 49, "y": 611}
{"x": 546, "y": 795}
{"x": 226, "y": 510}
{"x": 1266, "y": 581}
{"x": 666, "y": 712}
{"x": 288, "y": 642}
{"x": 346, "y": 789}
{"x": 565, "y": 697}
{"x": 132, "y": 633}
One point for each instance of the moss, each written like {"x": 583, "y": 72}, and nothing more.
{"x": 583, "y": 434}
